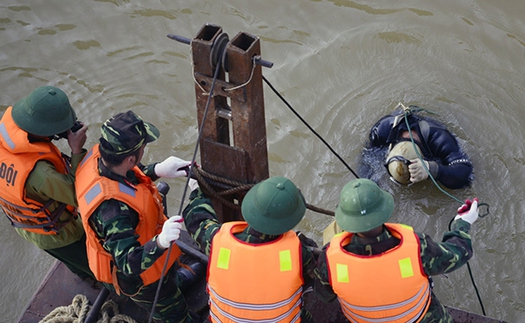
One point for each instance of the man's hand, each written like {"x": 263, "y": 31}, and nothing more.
{"x": 468, "y": 211}
{"x": 170, "y": 231}
{"x": 172, "y": 167}
{"x": 418, "y": 172}
{"x": 77, "y": 139}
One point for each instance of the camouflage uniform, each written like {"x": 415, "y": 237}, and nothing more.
{"x": 201, "y": 222}
{"x": 437, "y": 258}
{"x": 115, "y": 223}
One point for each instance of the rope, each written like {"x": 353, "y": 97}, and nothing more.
{"x": 164, "y": 268}
{"x": 236, "y": 187}
{"x": 309, "y": 127}
{"x": 77, "y": 311}
{"x": 407, "y": 111}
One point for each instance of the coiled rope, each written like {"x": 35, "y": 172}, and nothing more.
{"x": 77, "y": 311}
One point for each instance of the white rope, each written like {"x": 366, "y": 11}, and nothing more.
{"x": 77, "y": 311}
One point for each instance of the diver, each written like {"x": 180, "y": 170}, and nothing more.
{"x": 418, "y": 147}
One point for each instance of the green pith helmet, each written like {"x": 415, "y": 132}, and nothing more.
{"x": 44, "y": 112}
{"x": 363, "y": 206}
{"x": 398, "y": 160}
{"x": 273, "y": 206}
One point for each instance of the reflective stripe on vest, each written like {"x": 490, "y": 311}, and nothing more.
{"x": 399, "y": 280}
{"x": 242, "y": 278}
{"x": 18, "y": 158}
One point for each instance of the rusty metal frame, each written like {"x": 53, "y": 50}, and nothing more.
{"x": 233, "y": 139}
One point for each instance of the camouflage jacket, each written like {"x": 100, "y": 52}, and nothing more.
{"x": 202, "y": 224}
{"x": 115, "y": 222}
{"x": 437, "y": 258}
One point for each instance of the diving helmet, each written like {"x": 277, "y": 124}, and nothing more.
{"x": 398, "y": 159}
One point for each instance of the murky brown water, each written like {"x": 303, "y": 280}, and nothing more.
{"x": 341, "y": 64}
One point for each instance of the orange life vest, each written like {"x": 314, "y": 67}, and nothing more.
{"x": 18, "y": 157}
{"x": 144, "y": 198}
{"x": 388, "y": 287}
{"x": 254, "y": 282}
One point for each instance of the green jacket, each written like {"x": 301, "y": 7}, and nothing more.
{"x": 44, "y": 183}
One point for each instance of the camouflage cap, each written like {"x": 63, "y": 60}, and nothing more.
{"x": 126, "y": 132}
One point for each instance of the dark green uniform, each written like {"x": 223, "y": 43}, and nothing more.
{"x": 201, "y": 222}
{"x": 115, "y": 223}
{"x": 437, "y": 258}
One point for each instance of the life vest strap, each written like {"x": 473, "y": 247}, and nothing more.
{"x": 49, "y": 223}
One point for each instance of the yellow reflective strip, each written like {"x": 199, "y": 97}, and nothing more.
{"x": 223, "y": 260}
{"x": 405, "y": 267}
{"x": 407, "y": 227}
{"x": 285, "y": 259}
{"x": 342, "y": 273}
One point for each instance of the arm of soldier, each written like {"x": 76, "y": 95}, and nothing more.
{"x": 76, "y": 159}
{"x": 452, "y": 252}
{"x": 322, "y": 287}
{"x": 309, "y": 264}
{"x": 149, "y": 170}
{"x": 200, "y": 220}
{"x": 115, "y": 222}
{"x": 44, "y": 180}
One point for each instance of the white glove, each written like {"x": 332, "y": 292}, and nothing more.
{"x": 468, "y": 211}
{"x": 172, "y": 167}
{"x": 193, "y": 184}
{"x": 417, "y": 171}
{"x": 170, "y": 231}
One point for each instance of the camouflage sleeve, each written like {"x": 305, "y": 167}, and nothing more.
{"x": 200, "y": 220}
{"x": 149, "y": 170}
{"x": 452, "y": 252}
{"x": 309, "y": 265}
{"x": 322, "y": 287}
{"x": 115, "y": 222}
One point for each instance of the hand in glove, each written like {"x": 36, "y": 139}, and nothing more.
{"x": 417, "y": 171}
{"x": 170, "y": 231}
{"x": 172, "y": 167}
{"x": 468, "y": 211}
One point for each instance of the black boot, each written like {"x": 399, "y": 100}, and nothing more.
{"x": 187, "y": 277}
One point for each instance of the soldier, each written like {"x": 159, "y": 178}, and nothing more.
{"x": 438, "y": 148}
{"x": 372, "y": 264}
{"x": 37, "y": 181}
{"x": 258, "y": 268}
{"x": 127, "y": 232}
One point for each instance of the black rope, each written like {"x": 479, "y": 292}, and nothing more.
{"x": 471, "y": 275}
{"x": 408, "y": 111}
{"x": 309, "y": 127}
{"x": 210, "y": 95}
